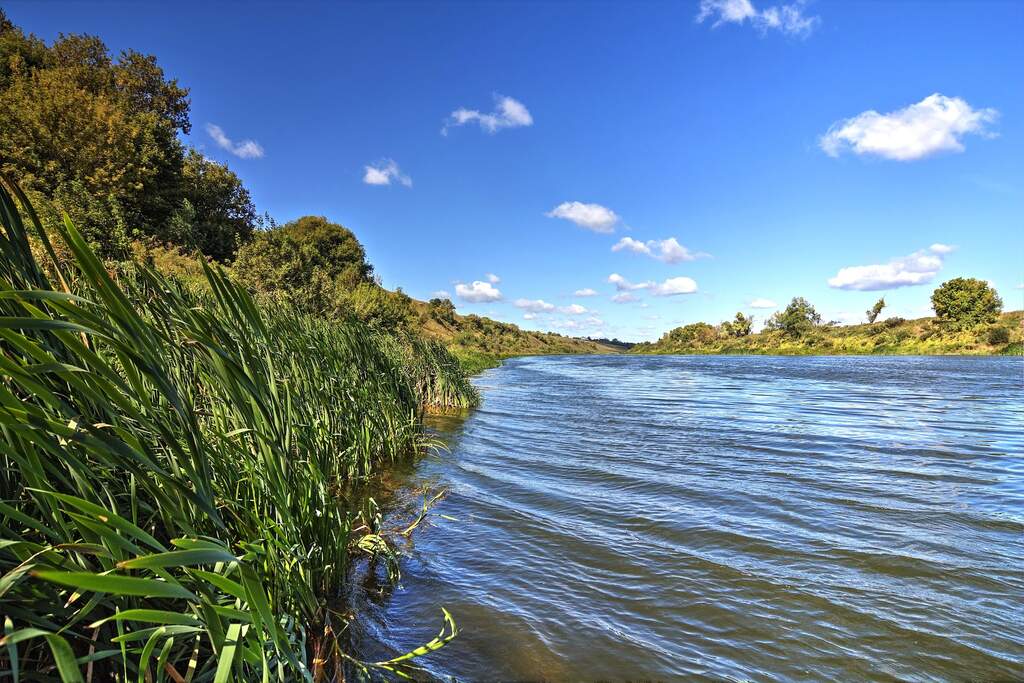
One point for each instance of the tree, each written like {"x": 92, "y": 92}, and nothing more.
{"x": 740, "y": 326}
{"x": 310, "y": 262}
{"x": 72, "y": 117}
{"x": 442, "y": 310}
{"x": 223, "y": 216}
{"x": 873, "y": 312}
{"x": 798, "y": 318}
{"x": 964, "y": 303}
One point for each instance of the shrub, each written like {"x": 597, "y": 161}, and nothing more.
{"x": 997, "y": 336}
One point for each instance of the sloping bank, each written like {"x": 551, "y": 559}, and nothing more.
{"x": 177, "y": 469}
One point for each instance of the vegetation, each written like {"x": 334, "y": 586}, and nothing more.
{"x": 97, "y": 137}
{"x": 799, "y": 330}
{"x": 966, "y": 303}
{"x": 178, "y": 465}
{"x": 873, "y": 312}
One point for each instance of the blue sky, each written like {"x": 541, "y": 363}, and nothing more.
{"x": 754, "y": 149}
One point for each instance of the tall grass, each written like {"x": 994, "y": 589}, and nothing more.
{"x": 174, "y": 491}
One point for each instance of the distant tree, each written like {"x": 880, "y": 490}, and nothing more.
{"x": 740, "y": 326}
{"x": 798, "y": 318}
{"x": 873, "y": 312}
{"x": 694, "y": 334}
{"x": 223, "y": 216}
{"x": 442, "y": 310}
{"x": 310, "y": 262}
{"x": 78, "y": 126}
{"x": 964, "y": 303}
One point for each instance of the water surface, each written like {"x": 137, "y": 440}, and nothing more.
{"x": 737, "y": 518}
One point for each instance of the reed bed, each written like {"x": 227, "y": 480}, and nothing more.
{"x": 177, "y": 466}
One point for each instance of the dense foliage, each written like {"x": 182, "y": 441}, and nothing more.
{"x": 175, "y": 467}
{"x": 966, "y": 303}
{"x": 97, "y": 137}
{"x": 796, "y": 320}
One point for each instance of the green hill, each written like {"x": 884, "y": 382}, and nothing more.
{"x": 895, "y": 336}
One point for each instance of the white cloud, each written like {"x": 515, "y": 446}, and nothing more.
{"x": 441, "y": 294}
{"x": 906, "y": 271}
{"x": 624, "y": 285}
{"x": 940, "y": 248}
{"x": 590, "y": 216}
{"x": 477, "y": 292}
{"x": 529, "y": 316}
{"x": 788, "y": 19}
{"x": 674, "y": 286}
{"x": 624, "y": 298}
{"x": 590, "y": 323}
{"x": 668, "y": 250}
{"x": 246, "y": 149}
{"x": 573, "y": 309}
{"x": 385, "y": 171}
{"x": 762, "y": 303}
{"x": 508, "y": 113}
{"x": 492, "y": 278}
{"x": 935, "y": 124}
{"x": 586, "y": 291}
{"x": 534, "y": 305}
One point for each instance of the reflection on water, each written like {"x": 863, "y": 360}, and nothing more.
{"x": 725, "y": 518}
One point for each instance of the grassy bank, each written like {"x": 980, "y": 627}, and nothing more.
{"x": 923, "y": 336}
{"x": 178, "y": 465}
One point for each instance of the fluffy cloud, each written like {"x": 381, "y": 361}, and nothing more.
{"x": 624, "y": 298}
{"x": 674, "y": 286}
{"x": 668, "y": 251}
{"x": 441, "y": 294}
{"x": 529, "y": 316}
{"x": 477, "y": 292}
{"x": 534, "y": 305}
{"x": 384, "y": 172}
{"x": 762, "y": 303}
{"x": 670, "y": 287}
{"x": 624, "y": 285}
{"x": 573, "y": 309}
{"x": 508, "y": 113}
{"x": 916, "y": 269}
{"x": 590, "y": 323}
{"x": 492, "y": 278}
{"x": 587, "y": 291}
{"x": 246, "y": 149}
{"x": 788, "y": 19}
{"x": 590, "y": 216}
{"x": 935, "y": 124}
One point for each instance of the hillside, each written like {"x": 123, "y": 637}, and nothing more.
{"x": 895, "y": 336}
{"x": 481, "y": 342}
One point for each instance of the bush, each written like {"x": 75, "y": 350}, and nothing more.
{"x": 997, "y": 336}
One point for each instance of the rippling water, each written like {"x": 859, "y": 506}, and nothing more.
{"x": 726, "y": 518}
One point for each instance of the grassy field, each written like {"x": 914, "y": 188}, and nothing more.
{"x": 923, "y": 336}
{"x": 177, "y": 496}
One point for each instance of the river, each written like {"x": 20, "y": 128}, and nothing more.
{"x": 724, "y": 518}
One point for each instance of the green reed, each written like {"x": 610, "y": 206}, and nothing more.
{"x": 175, "y": 467}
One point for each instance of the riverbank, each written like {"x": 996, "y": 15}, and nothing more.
{"x": 892, "y": 337}
{"x": 182, "y": 464}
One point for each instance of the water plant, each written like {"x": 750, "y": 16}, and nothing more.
{"x": 177, "y": 462}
